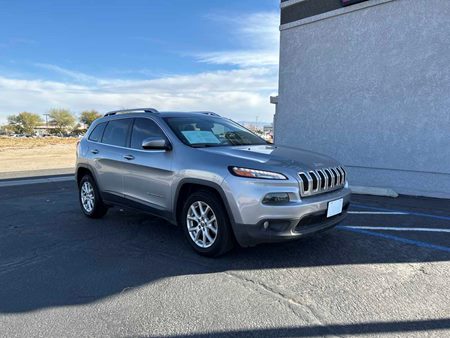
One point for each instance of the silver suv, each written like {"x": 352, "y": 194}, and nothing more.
{"x": 217, "y": 180}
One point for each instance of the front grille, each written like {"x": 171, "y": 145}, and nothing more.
{"x": 321, "y": 180}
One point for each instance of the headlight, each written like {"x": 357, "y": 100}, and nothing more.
{"x": 254, "y": 173}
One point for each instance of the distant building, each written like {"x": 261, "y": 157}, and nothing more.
{"x": 43, "y": 130}
{"x": 50, "y": 128}
{"x": 268, "y": 132}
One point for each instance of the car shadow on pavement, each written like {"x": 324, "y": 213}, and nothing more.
{"x": 375, "y": 328}
{"x": 51, "y": 255}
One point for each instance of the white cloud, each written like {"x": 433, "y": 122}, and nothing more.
{"x": 259, "y": 36}
{"x": 259, "y": 30}
{"x": 77, "y": 76}
{"x": 240, "y": 94}
{"x": 242, "y": 59}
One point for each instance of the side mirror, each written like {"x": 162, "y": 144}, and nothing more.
{"x": 156, "y": 143}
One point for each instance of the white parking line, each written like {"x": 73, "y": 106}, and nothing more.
{"x": 411, "y": 213}
{"x": 394, "y": 238}
{"x": 398, "y": 228}
{"x": 379, "y": 212}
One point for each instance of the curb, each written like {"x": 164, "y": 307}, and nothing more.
{"x": 28, "y": 181}
{"x": 375, "y": 191}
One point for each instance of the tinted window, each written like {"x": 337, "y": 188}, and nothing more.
{"x": 142, "y": 129}
{"x": 96, "y": 134}
{"x": 116, "y": 132}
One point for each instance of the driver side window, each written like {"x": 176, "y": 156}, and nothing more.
{"x": 144, "y": 128}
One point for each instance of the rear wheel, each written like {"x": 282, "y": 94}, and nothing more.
{"x": 90, "y": 201}
{"x": 205, "y": 224}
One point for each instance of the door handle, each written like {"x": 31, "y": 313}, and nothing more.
{"x": 94, "y": 151}
{"x": 129, "y": 157}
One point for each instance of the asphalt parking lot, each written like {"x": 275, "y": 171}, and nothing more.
{"x": 384, "y": 271}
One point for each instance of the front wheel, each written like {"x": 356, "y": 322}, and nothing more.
{"x": 90, "y": 200}
{"x": 205, "y": 224}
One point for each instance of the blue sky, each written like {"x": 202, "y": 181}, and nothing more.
{"x": 219, "y": 55}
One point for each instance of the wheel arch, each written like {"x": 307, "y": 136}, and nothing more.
{"x": 82, "y": 170}
{"x": 188, "y": 185}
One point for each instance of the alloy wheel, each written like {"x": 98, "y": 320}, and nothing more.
{"x": 202, "y": 224}
{"x": 87, "y": 197}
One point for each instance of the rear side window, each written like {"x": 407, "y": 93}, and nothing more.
{"x": 96, "y": 134}
{"x": 116, "y": 132}
{"x": 142, "y": 129}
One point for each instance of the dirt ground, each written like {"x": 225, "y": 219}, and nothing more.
{"x": 30, "y": 154}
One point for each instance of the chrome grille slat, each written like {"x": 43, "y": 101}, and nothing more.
{"x": 314, "y": 176}
{"x": 323, "y": 180}
{"x": 345, "y": 173}
{"x": 339, "y": 179}
{"x": 338, "y": 176}
{"x": 335, "y": 181}
{"x": 310, "y": 183}
{"x": 325, "y": 186}
{"x": 330, "y": 178}
{"x": 341, "y": 175}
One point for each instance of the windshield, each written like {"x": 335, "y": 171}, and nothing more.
{"x": 209, "y": 131}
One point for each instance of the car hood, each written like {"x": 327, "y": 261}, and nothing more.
{"x": 273, "y": 157}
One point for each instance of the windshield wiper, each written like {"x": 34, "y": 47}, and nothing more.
{"x": 204, "y": 145}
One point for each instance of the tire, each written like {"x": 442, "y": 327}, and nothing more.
{"x": 214, "y": 217}
{"x": 88, "y": 189}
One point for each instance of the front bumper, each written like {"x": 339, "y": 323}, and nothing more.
{"x": 300, "y": 217}
{"x": 285, "y": 230}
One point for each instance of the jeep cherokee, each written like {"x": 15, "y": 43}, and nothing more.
{"x": 217, "y": 180}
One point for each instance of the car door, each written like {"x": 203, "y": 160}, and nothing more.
{"x": 148, "y": 173}
{"x": 108, "y": 157}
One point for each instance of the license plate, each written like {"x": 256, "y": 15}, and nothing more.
{"x": 335, "y": 207}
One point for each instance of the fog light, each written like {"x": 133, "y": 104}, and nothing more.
{"x": 266, "y": 225}
{"x": 276, "y": 198}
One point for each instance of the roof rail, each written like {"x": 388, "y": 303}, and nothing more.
{"x": 133, "y": 110}
{"x": 208, "y": 113}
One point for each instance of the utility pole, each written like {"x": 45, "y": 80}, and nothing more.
{"x": 46, "y": 121}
